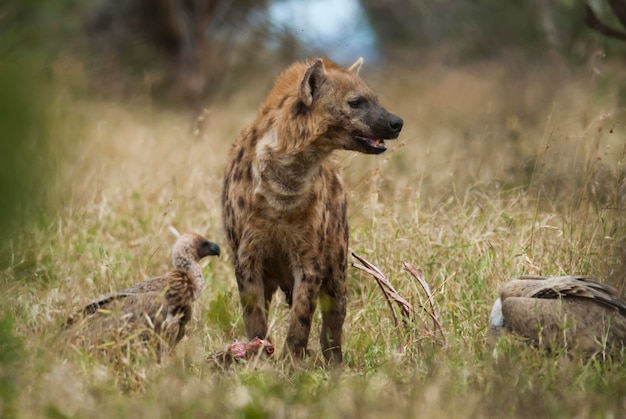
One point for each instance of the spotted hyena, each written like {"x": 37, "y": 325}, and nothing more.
{"x": 283, "y": 203}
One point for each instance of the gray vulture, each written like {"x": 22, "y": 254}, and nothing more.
{"x": 566, "y": 311}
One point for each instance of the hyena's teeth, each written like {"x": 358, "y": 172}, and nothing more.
{"x": 379, "y": 142}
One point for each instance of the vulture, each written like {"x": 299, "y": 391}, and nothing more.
{"x": 561, "y": 312}
{"x": 161, "y": 305}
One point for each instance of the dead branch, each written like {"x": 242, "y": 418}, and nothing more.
{"x": 432, "y": 313}
{"x": 408, "y": 314}
{"x": 593, "y": 22}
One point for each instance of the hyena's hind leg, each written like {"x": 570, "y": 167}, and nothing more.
{"x": 305, "y": 295}
{"x": 333, "y": 307}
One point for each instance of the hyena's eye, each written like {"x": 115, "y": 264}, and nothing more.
{"x": 357, "y": 103}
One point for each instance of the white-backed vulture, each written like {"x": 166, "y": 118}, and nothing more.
{"x": 567, "y": 311}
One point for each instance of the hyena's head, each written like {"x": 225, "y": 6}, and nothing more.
{"x": 341, "y": 110}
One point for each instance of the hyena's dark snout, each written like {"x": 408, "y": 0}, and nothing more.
{"x": 395, "y": 124}
{"x": 383, "y": 124}
{"x": 388, "y": 125}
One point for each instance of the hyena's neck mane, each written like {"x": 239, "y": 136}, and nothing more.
{"x": 288, "y": 159}
{"x": 295, "y": 140}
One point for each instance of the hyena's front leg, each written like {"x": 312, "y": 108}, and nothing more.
{"x": 333, "y": 305}
{"x": 252, "y": 296}
{"x": 305, "y": 295}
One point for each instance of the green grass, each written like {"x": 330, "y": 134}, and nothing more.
{"x": 491, "y": 179}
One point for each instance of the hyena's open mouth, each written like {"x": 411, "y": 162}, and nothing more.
{"x": 371, "y": 145}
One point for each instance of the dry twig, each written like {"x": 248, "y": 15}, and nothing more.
{"x": 390, "y": 293}
{"x": 432, "y": 313}
{"x": 408, "y": 313}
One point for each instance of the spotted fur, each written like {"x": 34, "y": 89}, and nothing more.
{"x": 283, "y": 202}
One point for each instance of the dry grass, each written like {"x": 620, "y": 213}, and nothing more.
{"x": 496, "y": 174}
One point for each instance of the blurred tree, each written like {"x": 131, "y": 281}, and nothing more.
{"x": 23, "y": 146}
{"x": 480, "y": 28}
{"x": 180, "y": 43}
{"x": 402, "y": 23}
{"x": 23, "y": 150}
{"x": 619, "y": 9}
{"x": 29, "y": 35}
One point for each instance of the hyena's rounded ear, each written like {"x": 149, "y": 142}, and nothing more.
{"x": 312, "y": 79}
{"x": 356, "y": 67}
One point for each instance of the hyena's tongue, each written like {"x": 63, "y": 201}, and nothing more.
{"x": 374, "y": 145}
